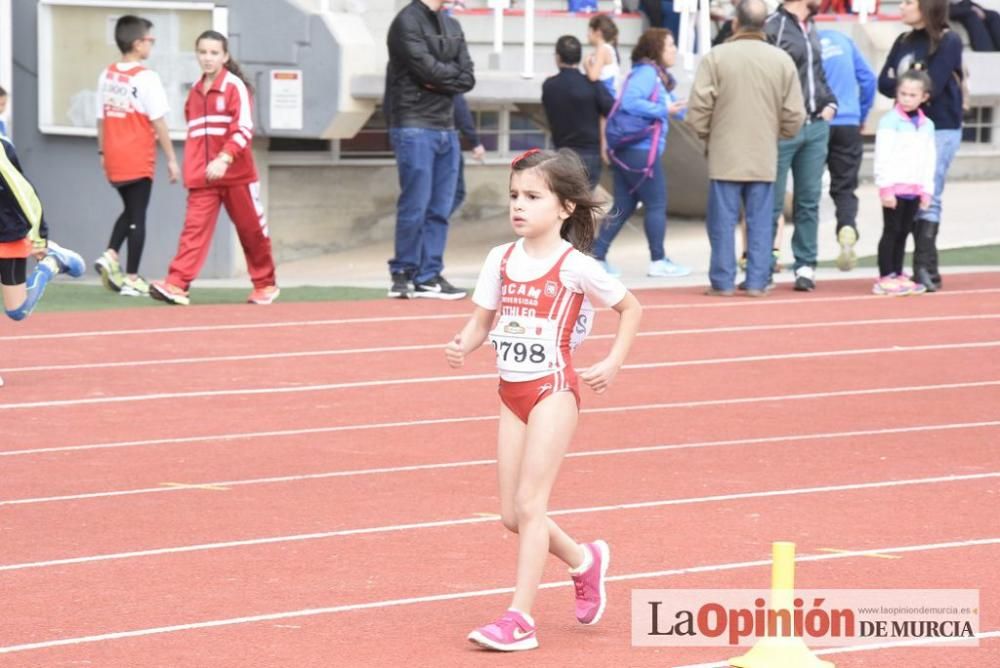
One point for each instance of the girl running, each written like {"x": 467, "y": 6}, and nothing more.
{"x": 540, "y": 284}
{"x": 219, "y": 171}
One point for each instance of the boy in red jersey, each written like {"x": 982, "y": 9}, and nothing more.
{"x": 131, "y": 118}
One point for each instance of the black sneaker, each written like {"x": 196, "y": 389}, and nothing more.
{"x": 438, "y": 288}
{"x": 401, "y": 288}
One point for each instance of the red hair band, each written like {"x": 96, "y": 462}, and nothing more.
{"x": 530, "y": 151}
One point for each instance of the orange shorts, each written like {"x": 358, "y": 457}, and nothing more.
{"x": 15, "y": 250}
{"x": 522, "y": 397}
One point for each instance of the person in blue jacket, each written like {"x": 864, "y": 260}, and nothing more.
{"x": 466, "y": 126}
{"x": 638, "y": 170}
{"x": 853, "y": 83}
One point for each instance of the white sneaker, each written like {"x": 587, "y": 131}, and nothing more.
{"x": 666, "y": 269}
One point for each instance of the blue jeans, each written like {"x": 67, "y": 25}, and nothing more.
{"x": 427, "y": 161}
{"x": 946, "y": 142}
{"x": 724, "y": 199}
{"x": 652, "y": 192}
{"x": 805, "y": 154}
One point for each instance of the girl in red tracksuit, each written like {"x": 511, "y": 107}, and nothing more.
{"x": 219, "y": 171}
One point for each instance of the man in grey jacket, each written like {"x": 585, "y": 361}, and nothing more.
{"x": 791, "y": 28}
{"x": 428, "y": 65}
{"x": 745, "y": 97}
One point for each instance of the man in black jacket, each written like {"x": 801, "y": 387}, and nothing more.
{"x": 574, "y": 106}
{"x": 791, "y": 28}
{"x": 429, "y": 63}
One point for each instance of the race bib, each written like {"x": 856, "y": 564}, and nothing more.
{"x": 584, "y": 323}
{"x": 525, "y": 345}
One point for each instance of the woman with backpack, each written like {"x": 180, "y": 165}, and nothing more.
{"x": 636, "y": 136}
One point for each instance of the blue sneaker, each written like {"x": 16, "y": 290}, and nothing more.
{"x": 666, "y": 269}
{"x": 610, "y": 269}
{"x": 69, "y": 261}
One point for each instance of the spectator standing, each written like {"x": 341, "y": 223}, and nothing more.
{"x": 602, "y": 64}
{"x": 852, "y": 81}
{"x": 428, "y": 65}
{"x": 931, "y": 47}
{"x": 466, "y": 126}
{"x": 791, "y": 28}
{"x": 746, "y": 95}
{"x": 638, "y": 167}
{"x": 904, "y": 174}
{"x": 575, "y": 107}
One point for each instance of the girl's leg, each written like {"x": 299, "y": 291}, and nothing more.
{"x": 905, "y": 213}
{"x": 547, "y": 436}
{"x": 244, "y": 207}
{"x": 510, "y": 453}
{"x": 887, "y": 244}
{"x": 196, "y": 237}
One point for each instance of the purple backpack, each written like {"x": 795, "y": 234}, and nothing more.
{"x": 624, "y": 130}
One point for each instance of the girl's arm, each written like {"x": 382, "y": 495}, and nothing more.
{"x": 470, "y": 338}
{"x": 600, "y": 375}
{"x": 597, "y": 60}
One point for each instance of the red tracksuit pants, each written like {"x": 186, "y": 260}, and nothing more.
{"x": 243, "y": 206}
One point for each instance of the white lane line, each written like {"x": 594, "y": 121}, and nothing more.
{"x": 488, "y": 418}
{"x": 454, "y": 596}
{"x": 326, "y": 387}
{"x": 874, "y": 647}
{"x": 756, "y": 303}
{"x": 438, "y": 346}
{"x": 645, "y": 449}
{"x": 413, "y": 526}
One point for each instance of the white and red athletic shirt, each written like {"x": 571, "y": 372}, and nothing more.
{"x": 531, "y": 343}
{"x": 129, "y": 98}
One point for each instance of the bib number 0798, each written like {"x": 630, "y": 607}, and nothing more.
{"x": 520, "y": 352}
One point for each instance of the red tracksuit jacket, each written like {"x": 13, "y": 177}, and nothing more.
{"x": 219, "y": 120}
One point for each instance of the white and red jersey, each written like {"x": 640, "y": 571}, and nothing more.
{"x": 219, "y": 120}
{"x": 129, "y": 98}
{"x": 543, "y": 306}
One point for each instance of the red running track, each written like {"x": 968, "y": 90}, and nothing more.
{"x": 256, "y": 511}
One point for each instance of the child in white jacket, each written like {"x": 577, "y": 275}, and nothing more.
{"x": 904, "y": 174}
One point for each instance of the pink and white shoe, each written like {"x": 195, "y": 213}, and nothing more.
{"x": 511, "y": 633}
{"x": 590, "y": 595}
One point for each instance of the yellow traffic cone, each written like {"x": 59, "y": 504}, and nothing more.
{"x": 781, "y": 651}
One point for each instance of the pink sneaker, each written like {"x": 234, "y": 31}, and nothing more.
{"x": 590, "y": 595}
{"x": 511, "y": 633}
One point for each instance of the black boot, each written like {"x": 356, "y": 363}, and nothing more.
{"x": 924, "y": 253}
{"x": 932, "y": 254}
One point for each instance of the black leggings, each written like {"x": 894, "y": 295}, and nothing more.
{"x": 896, "y": 227}
{"x": 132, "y": 223}
{"x": 13, "y": 271}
